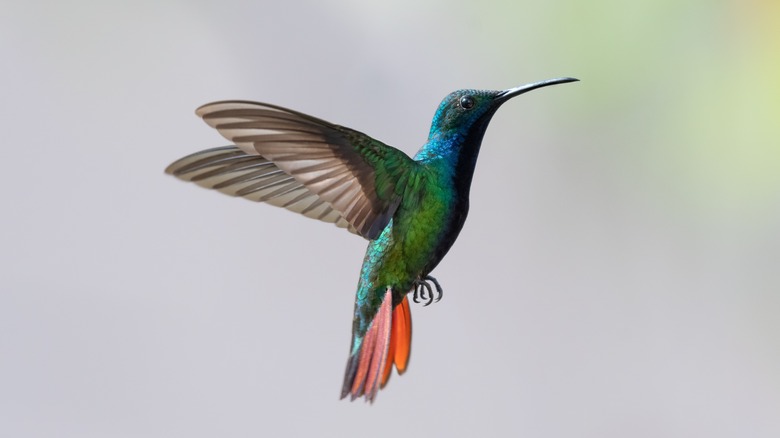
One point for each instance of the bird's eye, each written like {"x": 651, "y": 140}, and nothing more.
{"x": 467, "y": 102}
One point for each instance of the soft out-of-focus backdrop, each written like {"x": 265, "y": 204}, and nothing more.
{"x": 618, "y": 276}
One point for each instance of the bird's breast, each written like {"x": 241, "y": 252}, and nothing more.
{"x": 430, "y": 220}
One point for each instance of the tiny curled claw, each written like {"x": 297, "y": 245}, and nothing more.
{"x": 423, "y": 291}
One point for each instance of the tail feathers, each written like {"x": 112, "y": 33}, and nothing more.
{"x": 386, "y": 342}
{"x": 400, "y": 341}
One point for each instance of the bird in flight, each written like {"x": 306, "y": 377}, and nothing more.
{"x": 410, "y": 210}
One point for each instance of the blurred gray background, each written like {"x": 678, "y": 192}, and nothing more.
{"x": 617, "y": 277}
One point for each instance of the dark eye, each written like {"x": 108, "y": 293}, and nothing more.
{"x": 467, "y": 102}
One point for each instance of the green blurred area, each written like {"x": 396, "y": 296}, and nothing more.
{"x": 684, "y": 94}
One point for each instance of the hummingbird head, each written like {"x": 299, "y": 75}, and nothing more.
{"x": 465, "y": 114}
{"x": 460, "y": 123}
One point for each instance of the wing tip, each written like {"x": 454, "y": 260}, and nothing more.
{"x": 190, "y": 162}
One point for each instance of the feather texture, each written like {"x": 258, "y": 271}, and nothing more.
{"x": 233, "y": 172}
{"x": 402, "y": 331}
{"x": 366, "y": 366}
{"x": 358, "y": 177}
{"x": 400, "y": 341}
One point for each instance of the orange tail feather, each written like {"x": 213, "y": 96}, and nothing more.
{"x": 402, "y": 330}
{"x": 400, "y": 341}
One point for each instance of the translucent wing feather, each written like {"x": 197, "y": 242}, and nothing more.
{"x": 306, "y": 164}
{"x": 233, "y": 172}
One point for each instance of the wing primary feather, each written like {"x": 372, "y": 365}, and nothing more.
{"x": 253, "y": 176}
{"x": 232, "y": 171}
{"x": 360, "y": 178}
{"x": 269, "y": 183}
{"x": 243, "y": 168}
{"x": 203, "y": 159}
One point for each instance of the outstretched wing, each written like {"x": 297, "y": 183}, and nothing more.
{"x": 231, "y": 171}
{"x": 361, "y": 179}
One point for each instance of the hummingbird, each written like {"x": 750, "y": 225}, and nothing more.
{"x": 410, "y": 210}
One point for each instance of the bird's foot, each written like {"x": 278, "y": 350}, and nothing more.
{"x": 424, "y": 291}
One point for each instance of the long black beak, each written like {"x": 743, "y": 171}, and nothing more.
{"x": 512, "y": 92}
